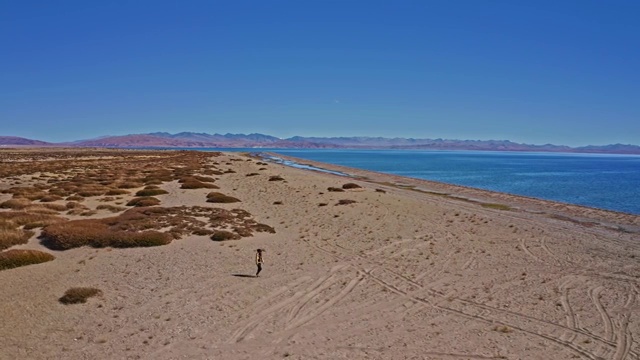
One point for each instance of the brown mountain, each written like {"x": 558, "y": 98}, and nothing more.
{"x": 19, "y": 141}
{"x": 196, "y": 140}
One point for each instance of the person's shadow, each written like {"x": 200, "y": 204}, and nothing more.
{"x": 244, "y": 275}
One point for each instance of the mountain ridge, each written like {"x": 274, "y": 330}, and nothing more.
{"x": 257, "y": 140}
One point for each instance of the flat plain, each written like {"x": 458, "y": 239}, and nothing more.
{"x": 369, "y": 266}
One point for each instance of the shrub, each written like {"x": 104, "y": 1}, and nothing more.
{"x": 10, "y": 237}
{"x": 202, "y": 232}
{"x": 381, "y": 191}
{"x": 264, "y": 228}
{"x": 351, "y": 186}
{"x": 97, "y": 234}
{"x": 117, "y": 192}
{"x": 15, "y": 219}
{"x": 345, "y": 202}
{"x": 253, "y": 174}
{"x": 56, "y": 207}
{"x": 322, "y": 204}
{"x": 277, "y": 203}
{"x": 50, "y": 198}
{"x": 17, "y": 204}
{"x": 216, "y": 197}
{"x": 335, "y": 189}
{"x": 79, "y": 295}
{"x": 222, "y": 235}
{"x": 275, "y": 178}
{"x": 151, "y": 192}
{"x": 112, "y": 208}
{"x": 143, "y": 201}
{"x": 204, "y": 178}
{"x": 129, "y": 185}
{"x": 91, "y": 192}
{"x": 75, "y": 198}
{"x": 192, "y": 183}
{"x": 15, "y": 258}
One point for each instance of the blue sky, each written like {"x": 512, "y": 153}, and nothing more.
{"x": 562, "y": 72}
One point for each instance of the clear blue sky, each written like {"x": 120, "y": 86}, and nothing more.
{"x": 562, "y": 72}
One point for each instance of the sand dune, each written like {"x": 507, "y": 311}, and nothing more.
{"x": 409, "y": 270}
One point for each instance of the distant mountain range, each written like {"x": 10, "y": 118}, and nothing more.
{"x": 195, "y": 140}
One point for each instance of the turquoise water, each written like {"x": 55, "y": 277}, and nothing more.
{"x": 602, "y": 181}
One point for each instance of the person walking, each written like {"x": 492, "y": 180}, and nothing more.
{"x": 259, "y": 261}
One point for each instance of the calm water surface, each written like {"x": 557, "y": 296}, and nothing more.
{"x": 602, "y": 181}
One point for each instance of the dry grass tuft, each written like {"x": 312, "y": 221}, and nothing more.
{"x": 112, "y": 208}
{"x": 79, "y": 295}
{"x": 98, "y": 234}
{"x": 75, "y": 198}
{"x": 503, "y": 329}
{"x": 10, "y": 237}
{"x": 16, "y": 258}
{"x": 50, "y": 198}
{"x": 151, "y": 192}
{"x": 114, "y": 192}
{"x": 222, "y": 235}
{"x": 216, "y": 197}
{"x": 143, "y": 201}
{"x": 16, "y": 204}
{"x": 351, "y": 186}
{"x": 193, "y": 183}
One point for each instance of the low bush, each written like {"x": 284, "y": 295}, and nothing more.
{"x": 351, "y": 186}
{"x": 10, "y": 237}
{"x": 202, "y": 232}
{"x": 381, "y": 191}
{"x": 216, "y": 197}
{"x": 50, "y": 198}
{"x": 143, "y": 201}
{"x": 129, "y": 185}
{"x": 112, "y": 208}
{"x": 151, "y": 192}
{"x": 16, "y": 204}
{"x": 263, "y": 228}
{"x": 55, "y": 207}
{"x": 275, "y": 178}
{"x": 253, "y": 174}
{"x": 15, "y": 258}
{"x": 192, "y": 183}
{"x": 79, "y": 295}
{"x": 222, "y": 235}
{"x": 97, "y": 233}
{"x": 345, "y": 202}
{"x": 75, "y": 198}
{"x": 335, "y": 189}
{"x": 117, "y": 192}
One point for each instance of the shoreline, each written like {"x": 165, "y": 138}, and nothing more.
{"x": 481, "y": 195}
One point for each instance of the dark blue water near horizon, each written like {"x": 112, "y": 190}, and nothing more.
{"x": 610, "y": 182}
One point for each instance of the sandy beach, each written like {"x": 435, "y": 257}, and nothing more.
{"x": 393, "y": 268}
